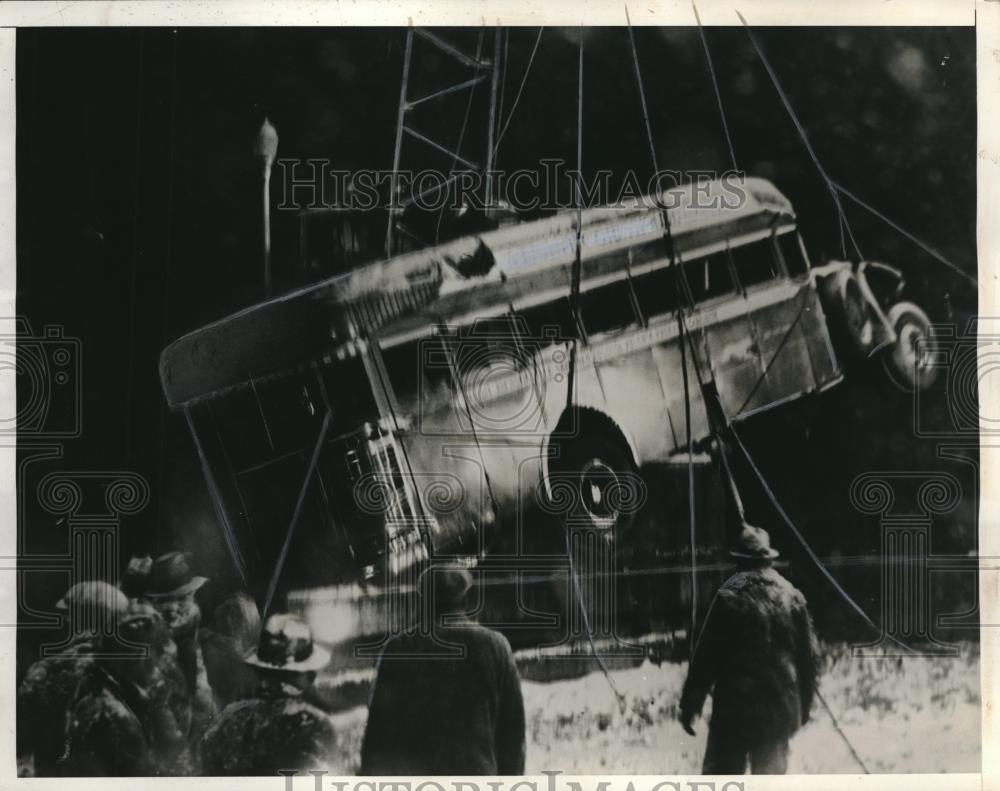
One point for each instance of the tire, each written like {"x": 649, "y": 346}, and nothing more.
{"x": 594, "y": 484}
{"x": 908, "y": 361}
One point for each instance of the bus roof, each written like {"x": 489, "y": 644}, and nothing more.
{"x": 472, "y": 272}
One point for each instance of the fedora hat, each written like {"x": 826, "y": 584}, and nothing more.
{"x": 754, "y": 544}
{"x": 171, "y": 576}
{"x": 286, "y": 643}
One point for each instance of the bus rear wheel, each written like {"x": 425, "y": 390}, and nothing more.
{"x": 594, "y": 484}
{"x": 908, "y": 362}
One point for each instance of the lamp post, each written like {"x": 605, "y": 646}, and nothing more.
{"x": 266, "y": 147}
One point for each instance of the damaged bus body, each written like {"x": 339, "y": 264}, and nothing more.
{"x": 421, "y": 405}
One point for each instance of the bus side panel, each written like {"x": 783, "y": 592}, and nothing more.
{"x": 633, "y": 396}
{"x": 668, "y": 358}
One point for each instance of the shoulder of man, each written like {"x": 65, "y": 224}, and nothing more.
{"x": 792, "y": 595}
{"x": 53, "y": 675}
{"x": 295, "y": 719}
{"x": 760, "y": 584}
{"x": 483, "y": 638}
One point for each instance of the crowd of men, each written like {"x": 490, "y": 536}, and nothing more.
{"x": 143, "y": 689}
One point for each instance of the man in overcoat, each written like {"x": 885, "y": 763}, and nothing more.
{"x": 758, "y": 655}
{"x": 447, "y": 699}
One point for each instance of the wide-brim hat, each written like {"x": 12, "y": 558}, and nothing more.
{"x": 171, "y": 577}
{"x": 754, "y": 543}
{"x": 286, "y": 644}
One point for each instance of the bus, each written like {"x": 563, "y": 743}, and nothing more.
{"x": 448, "y": 400}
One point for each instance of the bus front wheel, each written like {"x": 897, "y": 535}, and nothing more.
{"x": 594, "y": 484}
{"x": 908, "y": 362}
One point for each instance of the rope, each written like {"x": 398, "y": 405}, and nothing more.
{"x": 574, "y": 293}
{"x": 836, "y": 726}
{"x": 681, "y": 330}
{"x": 578, "y": 592}
{"x": 228, "y": 532}
{"x": 520, "y": 90}
{"x": 459, "y": 379}
{"x": 715, "y": 86}
{"x": 283, "y": 555}
{"x": 461, "y": 133}
{"x": 836, "y": 190}
{"x": 574, "y": 307}
{"x": 922, "y": 245}
{"x": 805, "y": 544}
{"x": 781, "y": 345}
{"x": 802, "y": 132}
{"x": 503, "y": 79}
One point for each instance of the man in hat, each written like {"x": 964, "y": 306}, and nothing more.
{"x": 277, "y": 729}
{"x": 168, "y": 690}
{"x": 113, "y": 727}
{"x": 171, "y": 587}
{"x": 447, "y": 697}
{"x": 758, "y": 653}
{"x": 43, "y": 696}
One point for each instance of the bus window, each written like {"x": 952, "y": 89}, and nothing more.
{"x": 709, "y": 277}
{"x": 243, "y": 428}
{"x": 755, "y": 263}
{"x": 607, "y": 308}
{"x": 550, "y": 322}
{"x": 791, "y": 253}
{"x": 656, "y": 292}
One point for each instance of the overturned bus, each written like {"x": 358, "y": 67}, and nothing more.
{"x": 452, "y": 400}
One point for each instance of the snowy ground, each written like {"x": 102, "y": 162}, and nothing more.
{"x": 902, "y": 715}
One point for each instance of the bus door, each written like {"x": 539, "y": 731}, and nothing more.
{"x": 779, "y": 303}
{"x": 809, "y": 312}
{"x": 720, "y": 323}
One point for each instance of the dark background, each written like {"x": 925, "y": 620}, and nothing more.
{"x": 138, "y": 209}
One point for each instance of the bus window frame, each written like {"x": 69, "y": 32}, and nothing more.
{"x": 668, "y": 315}
{"x": 780, "y": 276}
{"x": 703, "y": 258}
{"x": 793, "y": 231}
{"x": 638, "y": 322}
{"x": 633, "y": 297}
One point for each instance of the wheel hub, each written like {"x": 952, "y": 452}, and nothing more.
{"x": 597, "y": 486}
